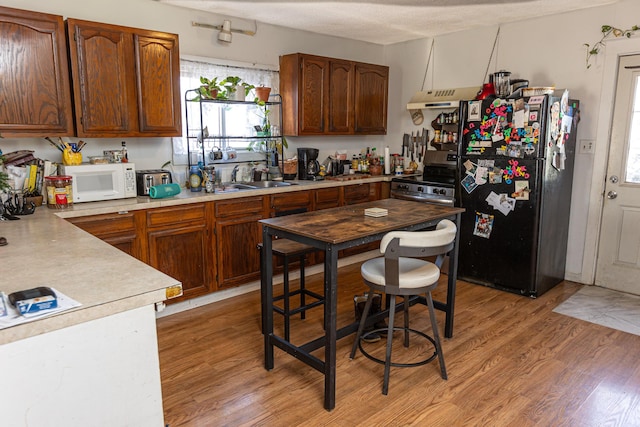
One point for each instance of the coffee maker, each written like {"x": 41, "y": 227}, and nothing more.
{"x": 308, "y": 166}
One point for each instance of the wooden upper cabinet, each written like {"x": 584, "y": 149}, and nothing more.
{"x": 327, "y": 96}
{"x": 158, "y": 78}
{"x": 340, "y": 113}
{"x": 312, "y": 87}
{"x": 126, "y": 81}
{"x": 34, "y": 75}
{"x": 371, "y": 91}
{"x": 103, "y": 94}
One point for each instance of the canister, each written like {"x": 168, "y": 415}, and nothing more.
{"x": 195, "y": 178}
{"x": 59, "y": 191}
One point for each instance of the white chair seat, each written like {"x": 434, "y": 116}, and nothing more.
{"x": 414, "y": 273}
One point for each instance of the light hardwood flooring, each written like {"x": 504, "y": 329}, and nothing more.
{"x": 511, "y": 362}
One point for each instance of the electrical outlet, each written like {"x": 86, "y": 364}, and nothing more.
{"x": 586, "y": 146}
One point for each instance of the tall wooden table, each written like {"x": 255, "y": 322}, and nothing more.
{"x": 331, "y": 230}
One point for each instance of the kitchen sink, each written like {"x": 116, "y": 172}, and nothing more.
{"x": 270, "y": 184}
{"x": 255, "y": 185}
{"x": 241, "y": 186}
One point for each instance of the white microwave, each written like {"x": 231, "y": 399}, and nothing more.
{"x": 92, "y": 183}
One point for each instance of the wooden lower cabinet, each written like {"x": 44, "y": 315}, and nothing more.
{"x": 124, "y": 230}
{"x": 238, "y": 233}
{"x": 290, "y": 203}
{"x": 326, "y": 198}
{"x": 180, "y": 243}
{"x": 358, "y": 193}
{"x": 213, "y": 245}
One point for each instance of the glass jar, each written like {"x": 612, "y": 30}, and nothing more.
{"x": 59, "y": 191}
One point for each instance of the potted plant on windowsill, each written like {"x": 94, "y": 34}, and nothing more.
{"x": 235, "y": 88}
{"x": 209, "y": 89}
{"x": 262, "y": 93}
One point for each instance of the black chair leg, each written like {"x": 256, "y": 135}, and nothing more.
{"x": 387, "y": 359}
{"x": 436, "y": 336}
{"x": 406, "y": 320}
{"x": 363, "y": 320}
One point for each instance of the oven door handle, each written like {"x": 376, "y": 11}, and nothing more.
{"x": 437, "y": 201}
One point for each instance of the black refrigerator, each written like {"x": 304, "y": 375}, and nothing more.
{"x": 515, "y": 173}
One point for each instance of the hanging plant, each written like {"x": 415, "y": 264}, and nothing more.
{"x": 607, "y": 31}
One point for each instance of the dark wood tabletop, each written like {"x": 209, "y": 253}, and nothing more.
{"x": 345, "y": 223}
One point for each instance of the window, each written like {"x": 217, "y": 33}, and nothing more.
{"x": 632, "y": 174}
{"x": 191, "y": 69}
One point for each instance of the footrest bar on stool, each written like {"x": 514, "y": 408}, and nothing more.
{"x": 400, "y": 365}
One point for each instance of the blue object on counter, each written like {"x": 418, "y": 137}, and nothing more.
{"x": 195, "y": 177}
{"x": 164, "y": 190}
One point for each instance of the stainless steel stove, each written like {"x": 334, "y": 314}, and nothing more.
{"x": 437, "y": 184}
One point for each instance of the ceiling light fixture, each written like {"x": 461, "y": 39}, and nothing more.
{"x": 225, "y": 33}
{"x": 226, "y": 30}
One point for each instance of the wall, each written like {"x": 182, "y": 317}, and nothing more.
{"x": 264, "y": 48}
{"x": 544, "y": 50}
{"x": 548, "y": 51}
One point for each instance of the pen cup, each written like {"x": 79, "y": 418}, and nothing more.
{"x": 69, "y": 158}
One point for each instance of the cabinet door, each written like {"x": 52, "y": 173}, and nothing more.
{"x": 340, "y": 95}
{"x": 371, "y": 92}
{"x": 325, "y": 198}
{"x": 158, "y": 83}
{"x": 103, "y": 81}
{"x": 303, "y": 86}
{"x": 123, "y": 230}
{"x": 290, "y": 203}
{"x": 313, "y": 84}
{"x": 181, "y": 245}
{"x": 125, "y": 80}
{"x": 238, "y": 233}
{"x": 34, "y": 75}
{"x": 358, "y": 193}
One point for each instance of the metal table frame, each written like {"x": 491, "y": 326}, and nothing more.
{"x": 332, "y": 334}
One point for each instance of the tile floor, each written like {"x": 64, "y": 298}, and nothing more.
{"x": 604, "y": 307}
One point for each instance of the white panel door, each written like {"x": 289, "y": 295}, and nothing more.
{"x": 619, "y": 249}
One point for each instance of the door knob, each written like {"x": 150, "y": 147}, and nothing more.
{"x": 612, "y": 195}
{"x": 613, "y": 179}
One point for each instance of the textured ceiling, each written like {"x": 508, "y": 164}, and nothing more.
{"x": 385, "y": 22}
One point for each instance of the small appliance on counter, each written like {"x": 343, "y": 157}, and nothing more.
{"x": 308, "y": 165}
{"x": 147, "y": 178}
{"x": 93, "y": 183}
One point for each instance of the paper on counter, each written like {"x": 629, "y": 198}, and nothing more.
{"x": 14, "y": 318}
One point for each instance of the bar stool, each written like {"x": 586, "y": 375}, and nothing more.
{"x": 401, "y": 273}
{"x": 291, "y": 251}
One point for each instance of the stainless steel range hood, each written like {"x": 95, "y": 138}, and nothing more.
{"x": 442, "y": 98}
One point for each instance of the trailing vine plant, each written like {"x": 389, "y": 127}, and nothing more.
{"x": 607, "y": 31}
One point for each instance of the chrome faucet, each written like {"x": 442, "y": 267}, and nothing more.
{"x": 234, "y": 173}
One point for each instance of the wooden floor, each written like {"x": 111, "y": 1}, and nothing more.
{"x": 511, "y": 362}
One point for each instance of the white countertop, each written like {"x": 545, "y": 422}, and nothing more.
{"x": 45, "y": 250}
{"x": 187, "y": 196}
